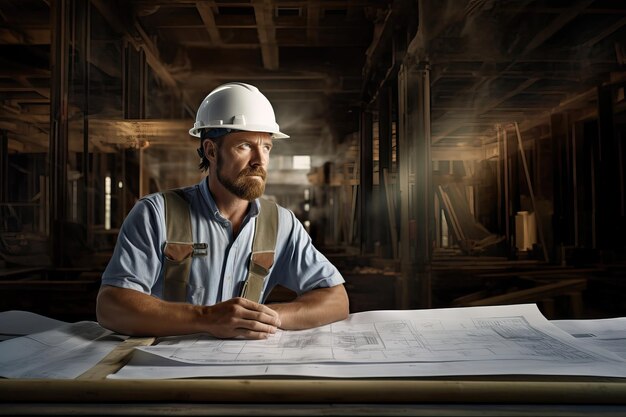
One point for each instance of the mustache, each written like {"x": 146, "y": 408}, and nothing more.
{"x": 250, "y": 172}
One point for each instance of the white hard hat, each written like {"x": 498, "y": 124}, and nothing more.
{"x": 237, "y": 106}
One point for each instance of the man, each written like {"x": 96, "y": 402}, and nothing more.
{"x": 236, "y": 125}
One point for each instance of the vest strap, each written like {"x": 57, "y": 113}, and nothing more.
{"x": 179, "y": 247}
{"x": 263, "y": 247}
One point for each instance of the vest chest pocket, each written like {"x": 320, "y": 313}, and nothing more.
{"x": 177, "y": 258}
{"x": 178, "y": 252}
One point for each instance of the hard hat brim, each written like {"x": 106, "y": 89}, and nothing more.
{"x": 195, "y": 131}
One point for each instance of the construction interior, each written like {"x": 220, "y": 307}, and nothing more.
{"x": 442, "y": 153}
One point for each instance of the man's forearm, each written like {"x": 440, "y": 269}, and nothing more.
{"x": 134, "y": 313}
{"x": 314, "y": 308}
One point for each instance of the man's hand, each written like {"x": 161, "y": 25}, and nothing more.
{"x": 240, "y": 317}
{"x": 134, "y": 313}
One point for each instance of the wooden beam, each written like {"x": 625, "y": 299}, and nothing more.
{"x": 458, "y": 153}
{"x": 11, "y": 69}
{"x": 263, "y": 11}
{"x": 489, "y": 106}
{"x": 421, "y": 42}
{"x": 312, "y": 22}
{"x": 558, "y": 23}
{"x": 171, "y": 394}
{"x": 25, "y": 36}
{"x": 535, "y": 294}
{"x": 26, "y": 143}
{"x": 140, "y": 40}
{"x": 433, "y": 20}
{"x": 205, "y": 8}
{"x": 603, "y": 34}
{"x": 571, "y": 103}
{"x": 44, "y": 92}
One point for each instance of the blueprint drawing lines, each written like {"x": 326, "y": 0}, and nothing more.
{"x": 501, "y": 333}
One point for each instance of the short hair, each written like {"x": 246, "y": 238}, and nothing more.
{"x": 212, "y": 135}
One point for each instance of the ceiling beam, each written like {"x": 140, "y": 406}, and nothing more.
{"x": 557, "y": 24}
{"x": 263, "y": 11}
{"x": 539, "y": 39}
{"x": 313, "y": 21}
{"x": 603, "y": 34}
{"x": 485, "y": 108}
{"x": 457, "y": 153}
{"x": 25, "y": 36}
{"x": 140, "y": 40}
{"x": 269, "y": 76}
{"x": 10, "y": 69}
{"x": 25, "y": 82}
{"x": 244, "y": 3}
{"x": 577, "y": 101}
{"x": 205, "y": 8}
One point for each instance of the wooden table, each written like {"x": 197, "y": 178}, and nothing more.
{"x": 300, "y": 396}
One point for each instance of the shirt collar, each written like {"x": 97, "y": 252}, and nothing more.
{"x": 253, "y": 210}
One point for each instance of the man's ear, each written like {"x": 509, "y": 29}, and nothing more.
{"x": 210, "y": 149}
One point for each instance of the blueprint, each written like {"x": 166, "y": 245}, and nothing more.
{"x": 609, "y": 334}
{"x": 17, "y": 323}
{"x": 143, "y": 367}
{"x": 501, "y": 340}
{"x": 409, "y": 336}
{"x": 62, "y": 352}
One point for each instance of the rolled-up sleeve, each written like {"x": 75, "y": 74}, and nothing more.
{"x": 136, "y": 260}
{"x": 300, "y": 266}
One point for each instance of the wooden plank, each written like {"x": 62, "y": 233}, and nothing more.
{"x": 546, "y": 390}
{"x": 205, "y": 8}
{"x": 569, "y": 13}
{"x": 607, "y": 31}
{"x": 116, "y": 359}
{"x": 263, "y": 10}
{"x": 348, "y": 410}
{"x": 532, "y": 194}
{"x": 6, "y": 272}
{"x": 534, "y": 294}
{"x": 137, "y": 36}
{"x": 544, "y": 273}
{"x": 486, "y": 107}
{"x": 391, "y": 212}
{"x": 451, "y": 215}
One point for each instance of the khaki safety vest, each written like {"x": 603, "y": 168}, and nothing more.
{"x": 180, "y": 248}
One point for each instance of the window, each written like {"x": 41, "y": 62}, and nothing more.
{"x": 301, "y": 162}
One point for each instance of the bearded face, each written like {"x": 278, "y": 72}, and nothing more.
{"x": 249, "y": 184}
{"x": 239, "y": 161}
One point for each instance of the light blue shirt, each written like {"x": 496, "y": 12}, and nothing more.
{"x": 137, "y": 261}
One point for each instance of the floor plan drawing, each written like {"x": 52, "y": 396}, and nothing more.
{"x": 500, "y": 340}
{"x": 496, "y": 333}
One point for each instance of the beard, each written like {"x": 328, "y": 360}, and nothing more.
{"x": 245, "y": 186}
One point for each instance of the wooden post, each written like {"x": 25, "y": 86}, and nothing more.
{"x": 59, "y": 107}
{"x": 366, "y": 174}
{"x": 4, "y": 167}
{"x": 415, "y": 172}
{"x": 530, "y": 190}
{"x": 609, "y": 218}
{"x": 389, "y": 233}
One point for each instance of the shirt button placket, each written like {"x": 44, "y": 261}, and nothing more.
{"x": 229, "y": 272}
